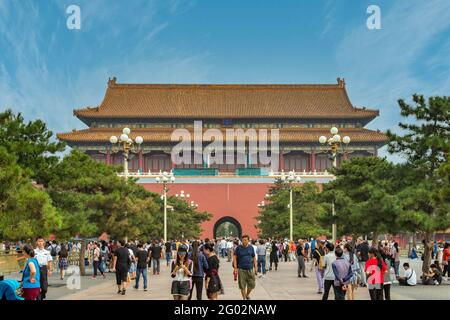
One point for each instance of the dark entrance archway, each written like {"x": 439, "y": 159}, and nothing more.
{"x": 223, "y": 221}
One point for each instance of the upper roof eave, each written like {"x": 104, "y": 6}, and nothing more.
{"x": 240, "y": 101}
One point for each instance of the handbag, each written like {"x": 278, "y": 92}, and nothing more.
{"x": 19, "y": 290}
{"x": 214, "y": 284}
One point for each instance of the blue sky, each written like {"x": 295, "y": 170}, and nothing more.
{"x": 47, "y": 70}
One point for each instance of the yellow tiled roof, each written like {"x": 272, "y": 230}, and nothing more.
{"x": 226, "y": 101}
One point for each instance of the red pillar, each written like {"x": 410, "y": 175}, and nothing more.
{"x": 108, "y": 157}
{"x": 141, "y": 162}
{"x": 281, "y": 161}
{"x": 172, "y": 164}
{"x": 312, "y": 160}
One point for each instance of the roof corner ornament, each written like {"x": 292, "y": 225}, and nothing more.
{"x": 341, "y": 82}
{"x": 112, "y": 81}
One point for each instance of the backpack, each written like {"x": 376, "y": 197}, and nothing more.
{"x": 53, "y": 252}
{"x": 321, "y": 262}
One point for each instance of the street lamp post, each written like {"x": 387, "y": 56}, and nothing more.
{"x": 193, "y": 205}
{"x": 289, "y": 179}
{"x": 165, "y": 178}
{"x": 182, "y": 195}
{"x": 334, "y": 143}
{"x": 127, "y": 145}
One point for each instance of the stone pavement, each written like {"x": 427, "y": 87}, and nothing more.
{"x": 281, "y": 284}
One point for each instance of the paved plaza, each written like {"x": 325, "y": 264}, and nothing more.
{"x": 277, "y": 285}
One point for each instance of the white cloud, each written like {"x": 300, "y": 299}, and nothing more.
{"x": 381, "y": 66}
{"x": 31, "y": 83}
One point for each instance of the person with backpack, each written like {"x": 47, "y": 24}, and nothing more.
{"x": 213, "y": 284}
{"x": 274, "y": 256}
{"x": 410, "y": 278}
{"x": 181, "y": 271}
{"x": 132, "y": 268}
{"x": 306, "y": 250}
{"x": 313, "y": 246}
{"x": 319, "y": 265}
{"x": 353, "y": 282}
{"x": 54, "y": 250}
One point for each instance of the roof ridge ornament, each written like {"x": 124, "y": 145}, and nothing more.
{"x": 112, "y": 81}
{"x": 341, "y": 82}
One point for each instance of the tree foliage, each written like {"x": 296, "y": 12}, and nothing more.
{"x": 307, "y": 212}
{"x": 25, "y": 210}
{"x": 426, "y": 138}
{"x": 93, "y": 199}
{"x": 364, "y": 195}
{"x": 80, "y": 196}
{"x": 426, "y": 145}
{"x": 31, "y": 143}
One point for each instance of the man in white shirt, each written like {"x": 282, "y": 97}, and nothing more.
{"x": 255, "y": 248}
{"x": 410, "y": 278}
{"x": 223, "y": 247}
{"x": 45, "y": 261}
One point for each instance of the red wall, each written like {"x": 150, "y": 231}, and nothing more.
{"x": 237, "y": 200}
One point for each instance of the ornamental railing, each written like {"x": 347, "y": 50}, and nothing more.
{"x": 240, "y": 172}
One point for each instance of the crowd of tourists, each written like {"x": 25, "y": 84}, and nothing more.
{"x": 194, "y": 265}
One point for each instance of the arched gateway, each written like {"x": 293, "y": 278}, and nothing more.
{"x": 233, "y": 226}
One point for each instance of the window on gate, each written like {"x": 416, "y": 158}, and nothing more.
{"x": 323, "y": 163}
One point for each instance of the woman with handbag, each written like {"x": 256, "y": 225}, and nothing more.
{"x": 212, "y": 280}
{"x": 31, "y": 275}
